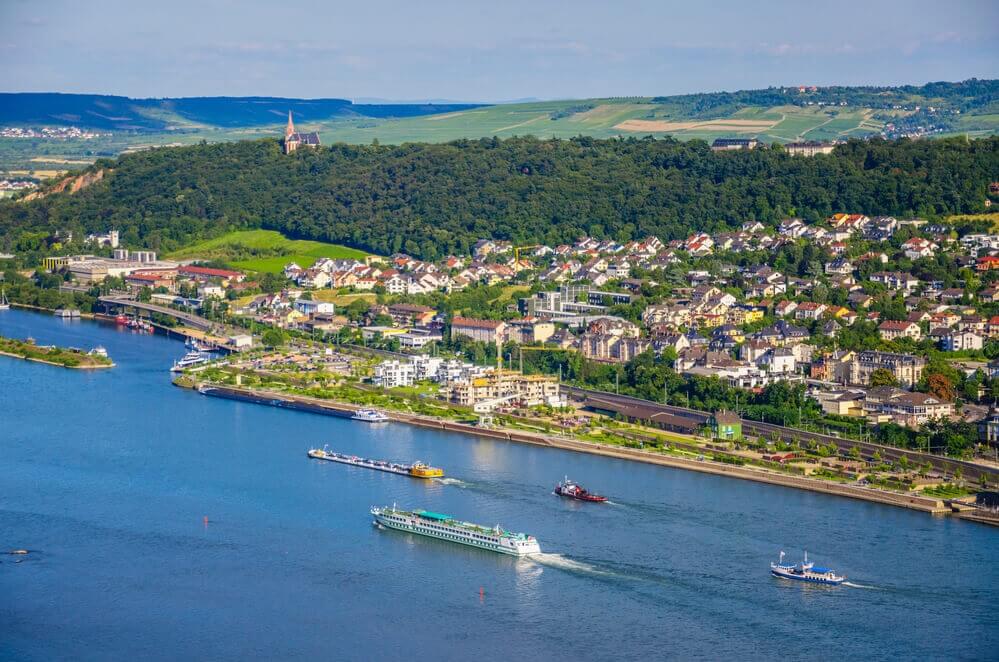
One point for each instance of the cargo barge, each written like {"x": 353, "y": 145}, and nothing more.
{"x": 416, "y": 470}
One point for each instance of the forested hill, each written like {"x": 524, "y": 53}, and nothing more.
{"x": 124, "y": 114}
{"x": 431, "y": 200}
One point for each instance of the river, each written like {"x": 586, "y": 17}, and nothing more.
{"x": 108, "y": 476}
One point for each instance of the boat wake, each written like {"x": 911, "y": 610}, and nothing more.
{"x": 570, "y": 565}
{"x": 852, "y": 585}
{"x": 453, "y": 481}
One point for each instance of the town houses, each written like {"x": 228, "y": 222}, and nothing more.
{"x": 847, "y": 303}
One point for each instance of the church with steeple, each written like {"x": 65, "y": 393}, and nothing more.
{"x": 293, "y": 139}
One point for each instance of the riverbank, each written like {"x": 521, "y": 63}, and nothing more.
{"x": 915, "y": 502}
{"x": 57, "y": 356}
{"x": 51, "y": 311}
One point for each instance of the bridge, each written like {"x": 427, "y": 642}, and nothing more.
{"x": 190, "y": 319}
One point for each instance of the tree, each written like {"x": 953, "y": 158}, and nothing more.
{"x": 883, "y": 377}
{"x": 940, "y": 387}
{"x": 273, "y": 337}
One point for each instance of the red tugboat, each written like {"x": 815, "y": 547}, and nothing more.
{"x": 567, "y": 488}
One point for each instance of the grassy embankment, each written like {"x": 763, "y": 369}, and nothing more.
{"x": 67, "y": 358}
{"x": 264, "y": 251}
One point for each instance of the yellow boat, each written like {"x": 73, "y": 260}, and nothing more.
{"x": 420, "y": 470}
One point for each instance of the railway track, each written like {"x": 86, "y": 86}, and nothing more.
{"x": 970, "y": 470}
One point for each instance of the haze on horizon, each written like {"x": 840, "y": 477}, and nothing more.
{"x": 478, "y": 51}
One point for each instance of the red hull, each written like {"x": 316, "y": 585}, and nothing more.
{"x": 585, "y": 496}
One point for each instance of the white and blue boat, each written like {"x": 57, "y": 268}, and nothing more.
{"x": 806, "y": 571}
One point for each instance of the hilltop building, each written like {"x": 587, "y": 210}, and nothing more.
{"x": 293, "y": 139}
{"x": 727, "y": 144}
{"x": 809, "y": 148}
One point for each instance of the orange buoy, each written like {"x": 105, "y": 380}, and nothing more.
{"x": 206, "y": 520}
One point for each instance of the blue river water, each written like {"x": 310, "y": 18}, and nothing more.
{"x": 107, "y": 477}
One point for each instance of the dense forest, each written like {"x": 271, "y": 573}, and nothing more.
{"x": 434, "y": 199}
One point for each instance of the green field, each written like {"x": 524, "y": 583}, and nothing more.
{"x": 604, "y": 118}
{"x": 265, "y": 251}
{"x": 599, "y": 118}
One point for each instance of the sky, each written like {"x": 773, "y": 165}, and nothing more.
{"x": 486, "y": 51}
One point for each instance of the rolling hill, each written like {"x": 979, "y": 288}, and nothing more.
{"x": 431, "y": 200}
{"x": 771, "y": 115}
{"x": 117, "y": 113}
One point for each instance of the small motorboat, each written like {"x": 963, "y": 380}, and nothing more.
{"x": 369, "y": 416}
{"x": 571, "y": 490}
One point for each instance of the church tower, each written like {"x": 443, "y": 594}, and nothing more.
{"x": 293, "y": 139}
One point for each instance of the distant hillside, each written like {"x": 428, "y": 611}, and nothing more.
{"x": 125, "y": 114}
{"x": 773, "y": 115}
{"x": 432, "y": 200}
{"x": 779, "y": 114}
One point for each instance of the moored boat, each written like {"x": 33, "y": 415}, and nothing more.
{"x": 445, "y": 527}
{"x": 572, "y": 490}
{"x": 416, "y": 470}
{"x": 806, "y": 571}
{"x": 369, "y": 416}
{"x": 190, "y": 360}
{"x": 4, "y": 303}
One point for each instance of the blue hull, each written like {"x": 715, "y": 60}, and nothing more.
{"x": 810, "y": 580}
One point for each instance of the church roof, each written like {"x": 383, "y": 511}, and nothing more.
{"x": 311, "y": 138}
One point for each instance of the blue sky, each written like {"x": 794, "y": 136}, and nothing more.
{"x": 486, "y": 51}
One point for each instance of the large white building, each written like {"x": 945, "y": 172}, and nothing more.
{"x": 392, "y": 374}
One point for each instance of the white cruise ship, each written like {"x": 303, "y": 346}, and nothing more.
{"x": 445, "y": 527}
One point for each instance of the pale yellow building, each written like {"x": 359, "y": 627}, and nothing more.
{"x": 498, "y": 387}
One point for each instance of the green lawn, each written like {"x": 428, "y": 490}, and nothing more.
{"x": 264, "y": 250}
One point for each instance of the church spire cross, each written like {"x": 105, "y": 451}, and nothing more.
{"x": 291, "y": 126}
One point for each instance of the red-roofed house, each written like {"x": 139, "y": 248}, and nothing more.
{"x": 987, "y": 262}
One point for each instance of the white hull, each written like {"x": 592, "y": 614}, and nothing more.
{"x": 509, "y": 544}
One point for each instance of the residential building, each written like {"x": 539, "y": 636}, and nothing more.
{"x": 496, "y": 388}
{"x": 904, "y": 407}
{"x": 487, "y": 331}
{"x": 956, "y": 341}
{"x": 890, "y": 330}
{"x": 411, "y": 314}
{"x": 392, "y": 374}
{"x": 906, "y": 368}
